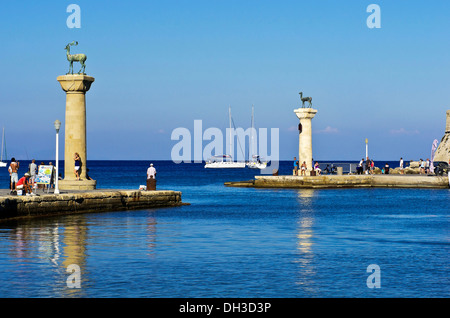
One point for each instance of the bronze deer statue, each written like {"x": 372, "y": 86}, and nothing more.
{"x": 305, "y": 99}
{"x": 75, "y": 58}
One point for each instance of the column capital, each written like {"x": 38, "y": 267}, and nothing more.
{"x": 75, "y": 83}
{"x": 305, "y": 113}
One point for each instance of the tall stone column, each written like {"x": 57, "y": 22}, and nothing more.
{"x": 305, "y": 136}
{"x": 75, "y": 86}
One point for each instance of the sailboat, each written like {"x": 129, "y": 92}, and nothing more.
{"x": 224, "y": 161}
{"x": 255, "y": 162}
{"x": 3, "y": 164}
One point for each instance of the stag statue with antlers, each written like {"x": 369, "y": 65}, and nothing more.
{"x": 75, "y": 58}
{"x": 305, "y": 99}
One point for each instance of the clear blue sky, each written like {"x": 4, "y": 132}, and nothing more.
{"x": 160, "y": 65}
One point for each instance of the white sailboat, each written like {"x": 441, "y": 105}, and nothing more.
{"x": 3, "y": 164}
{"x": 224, "y": 161}
{"x": 255, "y": 161}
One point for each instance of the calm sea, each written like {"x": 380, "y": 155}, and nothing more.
{"x": 234, "y": 242}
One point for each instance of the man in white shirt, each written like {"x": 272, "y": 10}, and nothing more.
{"x": 151, "y": 172}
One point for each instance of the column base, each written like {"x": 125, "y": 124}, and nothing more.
{"x": 77, "y": 184}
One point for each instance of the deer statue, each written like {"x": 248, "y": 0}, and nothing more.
{"x": 305, "y": 99}
{"x": 75, "y": 58}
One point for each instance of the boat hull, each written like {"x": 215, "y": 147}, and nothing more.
{"x": 255, "y": 165}
{"x": 220, "y": 165}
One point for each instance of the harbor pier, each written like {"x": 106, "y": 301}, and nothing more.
{"x": 345, "y": 181}
{"x": 13, "y": 207}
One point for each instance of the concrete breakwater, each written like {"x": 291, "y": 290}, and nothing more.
{"x": 17, "y": 207}
{"x": 345, "y": 181}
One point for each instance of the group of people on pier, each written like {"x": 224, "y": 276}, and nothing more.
{"x": 27, "y": 182}
{"x": 304, "y": 168}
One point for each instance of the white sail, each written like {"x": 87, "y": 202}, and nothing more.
{"x": 3, "y": 164}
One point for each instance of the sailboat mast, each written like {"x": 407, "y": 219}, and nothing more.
{"x": 3, "y": 139}
{"x": 229, "y": 113}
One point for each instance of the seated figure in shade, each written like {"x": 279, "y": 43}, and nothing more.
{"x": 24, "y": 184}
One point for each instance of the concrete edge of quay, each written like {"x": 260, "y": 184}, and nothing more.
{"x": 345, "y": 181}
{"x": 14, "y": 207}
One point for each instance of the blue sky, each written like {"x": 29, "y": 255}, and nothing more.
{"x": 160, "y": 65}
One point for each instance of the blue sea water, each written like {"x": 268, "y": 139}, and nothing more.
{"x": 234, "y": 242}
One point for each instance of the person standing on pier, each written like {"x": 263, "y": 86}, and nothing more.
{"x": 304, "y": 168}
{"x": 367, "y": 165}
{"x": 77, "y": 168}
{"x": 151, "y": 172}
{"x": 151, "y": 178}
{"x": 33, "y": 168}
{"x": 13, "y": 173}
{"x": 401, "y": 166}
{"x": 422, "y": 166}
{"x": 295, "y": 167}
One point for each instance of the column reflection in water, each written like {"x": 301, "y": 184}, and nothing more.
{"x": 75, "y": 246}
{"x": 151, "y": 235}
{"x": 305, "y": 236}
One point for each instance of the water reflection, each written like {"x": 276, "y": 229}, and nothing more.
{"x": 75, "y": 246}
{"x": 41, "y": 250}
{"x": 305, "y": 237}
{"x": 151, "y": 235}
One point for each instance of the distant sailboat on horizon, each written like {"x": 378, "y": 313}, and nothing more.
{"x": 224, "y": 161}
{"x": 255, "y": 161}
{"x": 3, "y": 164}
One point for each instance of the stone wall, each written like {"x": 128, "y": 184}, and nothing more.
{"x": 93, "y": 201}
{"x": 349, "y": 181}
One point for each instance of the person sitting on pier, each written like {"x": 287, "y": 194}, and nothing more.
{"x": 386, "y": 168}
{"x": 317, "y": 168}
{"x": 23, "y": 184}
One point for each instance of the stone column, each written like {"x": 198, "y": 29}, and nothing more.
{"x": 75, "y": 86}
{"x": 305, "y": 137}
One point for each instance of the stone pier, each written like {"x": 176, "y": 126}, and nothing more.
{"x": 345, "y": 181}
{"x": 24, "y": 207}
{"x": 75, "y": 86}
{"x": 305, "y": 115}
